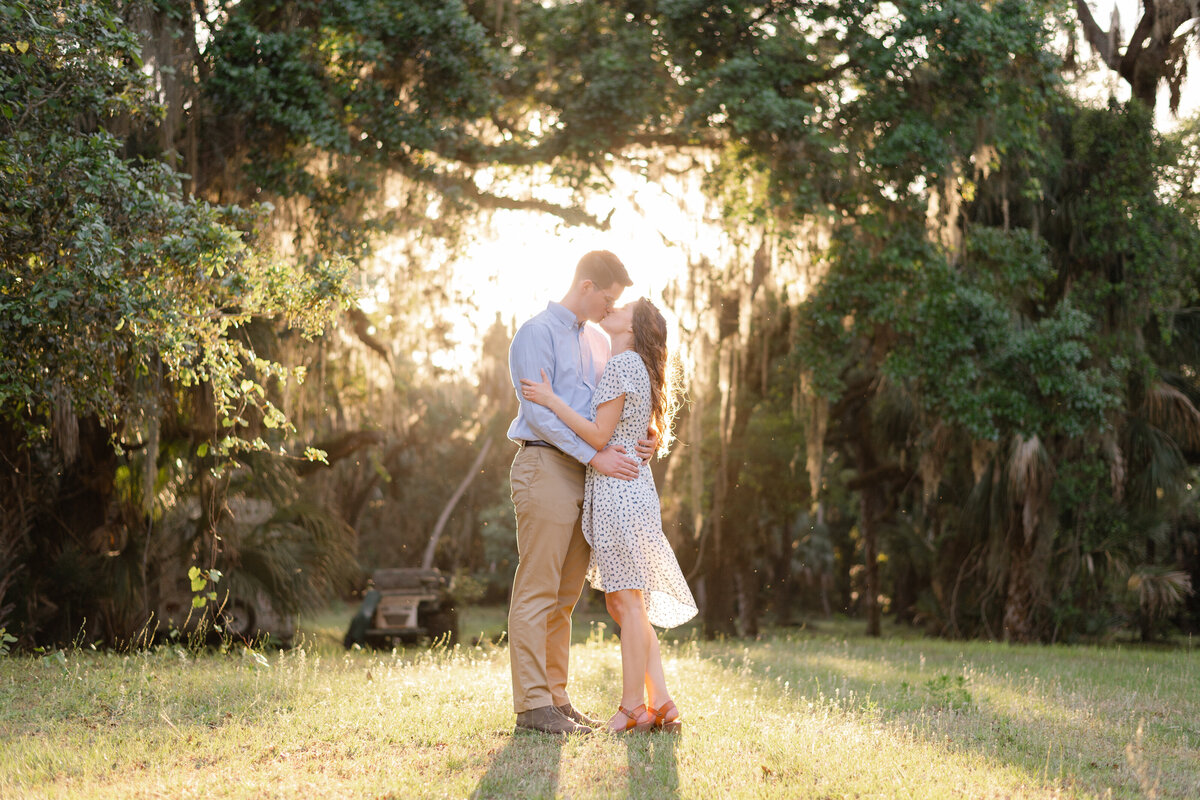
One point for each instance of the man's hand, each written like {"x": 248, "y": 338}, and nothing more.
{"x": 646, "y": 447}
{"x": 613, "y": 462}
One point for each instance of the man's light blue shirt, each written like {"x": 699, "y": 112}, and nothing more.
{"x": 573, "y": 354}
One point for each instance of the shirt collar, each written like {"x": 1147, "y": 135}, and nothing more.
{"x": 564, "y": 315}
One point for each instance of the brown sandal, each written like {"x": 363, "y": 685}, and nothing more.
{"x": 633, "y": 719}
{"x": 661, "y": 723}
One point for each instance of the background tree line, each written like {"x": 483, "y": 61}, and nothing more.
{"x": 942, "y": 352}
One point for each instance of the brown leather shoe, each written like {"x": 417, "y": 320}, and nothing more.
{"x": 569, "y": 712}
{"x": 548, "y": 719}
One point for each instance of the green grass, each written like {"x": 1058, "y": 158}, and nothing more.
{"x": 816, "y": 713}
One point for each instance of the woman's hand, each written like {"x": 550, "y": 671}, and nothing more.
{"x": 535, "y": 392}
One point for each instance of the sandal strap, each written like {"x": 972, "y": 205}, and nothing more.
{"x": 631, "y": 716}
{"x": 660, "y": 713}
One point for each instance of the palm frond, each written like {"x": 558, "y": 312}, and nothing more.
{"x": 266, "y": 476}
{"x": 1030, "y": 469}
{"x": 1030, "y": 477}
{"x": 1157, "y": 468}
{"x": 1160, "y": 590}
{"x": 979, "y": 510}
{"x": 984, "y": 515}
{"x": 932, "y": 460}
{"x": 300, "y": 557}
{"x": 1171, "y": 410}
{"x": 1117, "y": 471}
{"x": 982, "y": 451}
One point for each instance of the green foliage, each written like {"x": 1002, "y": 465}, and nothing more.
{"x": 6, "y": 641}
{"x": 108, "y": 273}
{"x": 204, "y": 585}
{"x": 330, "y": 97}
{"x": 125, "y": 313}
{"x": 984, "y": 365}
{"x": 1033, "y": 299}
{"x": 989, "y": 264}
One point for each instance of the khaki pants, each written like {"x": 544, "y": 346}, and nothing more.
{"x": 547, "y": 491}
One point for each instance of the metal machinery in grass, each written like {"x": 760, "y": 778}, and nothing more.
{"x": 402, "y": 607}
{"x": 405, "y": 605}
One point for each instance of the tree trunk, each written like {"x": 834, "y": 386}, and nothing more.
{"x": 905, "y": 592}
{"x": 1152, "y": 53}
{"x": 784, "y": 588}
{"x": 871, "y": 501}
{"x": 1018, "y": 600}
{"x": 722, "y": 557}
{"x": 871, "y": 506}
{"x": 718, "y": 611}
{"x": 748, "y": 610}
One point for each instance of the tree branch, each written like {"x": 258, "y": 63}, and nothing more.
{"x": 477, "y": 155}
{"x": 465, "y": 187}
{"x": 886, "y": 473}
{"x": 444, "y": 517}
{"x": 1145, "y": 29}
{"x": 1096, "y": 36}
{"x": 362, "y": 329}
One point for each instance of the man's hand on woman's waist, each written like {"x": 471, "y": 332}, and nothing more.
{"x": 613, "y": 462}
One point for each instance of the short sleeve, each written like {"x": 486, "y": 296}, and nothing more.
{"x": 618, "y": 379}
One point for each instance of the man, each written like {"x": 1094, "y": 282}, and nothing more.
{"x": 547, "y": 489}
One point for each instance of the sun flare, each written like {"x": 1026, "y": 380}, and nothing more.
{"x": 526, "y": 259}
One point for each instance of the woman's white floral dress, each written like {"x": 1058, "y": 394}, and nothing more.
{"x": 622, "y": 520}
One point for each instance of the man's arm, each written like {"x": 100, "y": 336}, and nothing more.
{"x": 531, "y": 352}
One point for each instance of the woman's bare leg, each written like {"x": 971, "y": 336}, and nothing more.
{"x": 614, "y": 607}
{"x": 634, "y": 648}
{"x": 636, "y": 635}
{"x": 654, "y": 680}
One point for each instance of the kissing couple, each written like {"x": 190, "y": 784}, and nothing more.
{"x": 595, "y": 404}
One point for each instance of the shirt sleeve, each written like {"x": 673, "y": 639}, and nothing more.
{"x": 533, "y": 351}
{"x": 617, "y": 380}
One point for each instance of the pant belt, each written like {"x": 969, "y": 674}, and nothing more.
{"x": 540, "y": 443}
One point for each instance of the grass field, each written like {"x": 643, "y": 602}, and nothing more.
{"x": 820, "y": 712}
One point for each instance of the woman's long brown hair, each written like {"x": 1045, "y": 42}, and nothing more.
{"x": 650, "y": 342}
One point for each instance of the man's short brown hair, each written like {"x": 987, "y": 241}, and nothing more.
{"x": 602, "y": 268}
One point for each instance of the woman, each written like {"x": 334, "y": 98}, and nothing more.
{"x": 631, "y": 561}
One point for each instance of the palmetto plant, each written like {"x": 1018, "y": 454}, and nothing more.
{"x": 300, "y": 557}
{"x": 1159, "y": 592}
{"x": 296, "y": 551}
{"x": 267, "y": 539}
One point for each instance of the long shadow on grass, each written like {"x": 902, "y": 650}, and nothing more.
{"x": 526, "y": 766}
{"x": 1018, "y": 738}
{"x": 653, "y": 767}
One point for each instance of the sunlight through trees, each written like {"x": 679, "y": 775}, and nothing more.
{"x": 260, "y": 262}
